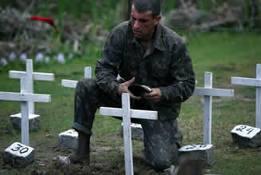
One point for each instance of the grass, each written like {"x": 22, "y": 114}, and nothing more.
{"x": 223, "y": 54}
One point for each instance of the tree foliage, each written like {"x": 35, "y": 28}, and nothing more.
{"x": 100, "y": 10}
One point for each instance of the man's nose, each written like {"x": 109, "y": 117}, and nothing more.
{"x": 136, "y": 24}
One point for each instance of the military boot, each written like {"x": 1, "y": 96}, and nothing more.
{"x": 81, "y": 155}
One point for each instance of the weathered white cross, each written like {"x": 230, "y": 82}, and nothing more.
{"x": 73, "y": 83}
{"x": 25, "y": 98}
{"x": 208, "y": 92}
{"x": 26, "y": 83}
{"x": 254, "y": 82}
{"x": 127, "y": 113}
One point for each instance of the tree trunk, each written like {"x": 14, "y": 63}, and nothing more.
{"x": 253, "y": 13}
{"x": 129, "y": 7}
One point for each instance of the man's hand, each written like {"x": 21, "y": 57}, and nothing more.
{"x": 154, "y": 95}
{"x": 123, "y": 88}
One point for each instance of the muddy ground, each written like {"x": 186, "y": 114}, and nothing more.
{"x": 106, "y": 159}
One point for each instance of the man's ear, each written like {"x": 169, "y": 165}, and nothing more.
{"x": 157, "y": 20}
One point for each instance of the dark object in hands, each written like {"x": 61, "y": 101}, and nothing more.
{"x": 139, "y": 90}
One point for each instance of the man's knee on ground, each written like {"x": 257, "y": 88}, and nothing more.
{"x": 159, "y": 164}
{"x": 160, "y": 161}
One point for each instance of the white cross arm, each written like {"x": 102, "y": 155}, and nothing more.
{"x": 213, "y": 92}
{"x": 141, "y": 114}
{"x": 246, "y": 81}
{"x": 69, "y": 83}
{"x": 12, "y": 96}
{"x": 36, "y": 75}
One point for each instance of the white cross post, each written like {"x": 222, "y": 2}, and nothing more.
{"x": 73, "y": 83}
{"x": 25, "y": 98}
{"x": 127, "y": 113}
{"x": 208, "y": 92}
{"x": 254, "y": 82}
{"x": 26, "y": 83}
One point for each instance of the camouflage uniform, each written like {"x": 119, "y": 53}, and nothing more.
{"x": 165, "y": 65}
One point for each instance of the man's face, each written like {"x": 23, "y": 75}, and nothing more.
{"x": 143, "y": 24}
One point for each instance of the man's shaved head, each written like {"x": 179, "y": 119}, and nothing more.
{"x": 147, "y": 5}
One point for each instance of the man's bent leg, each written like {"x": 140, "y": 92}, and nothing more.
{"x": 161, "y": 143}
{"x": 85, "y": 105}
{"x": 88, "y": 97}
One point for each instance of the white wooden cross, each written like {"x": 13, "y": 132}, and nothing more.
{"x": 26, "y": 83}
{"x": 207, "y": 92}
{"x": 73, "y": 83}
{"x": 254, "y": 82}
{"x": 127, "y": 113}
{"x": 25, "y": 98}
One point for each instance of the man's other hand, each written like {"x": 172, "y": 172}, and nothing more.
{"x": 154, "y": 95}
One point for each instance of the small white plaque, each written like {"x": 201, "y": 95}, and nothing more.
{"x": 194, "y": 147}
{"x": 245, "y": 131}
{"x": 70, "y": 132}
{"x": 31, "y": 116}
{"x": 19, "y": 149}
{"x": 134, "y": 125}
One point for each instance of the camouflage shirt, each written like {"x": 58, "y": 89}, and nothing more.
{"x": 166, "y": 65}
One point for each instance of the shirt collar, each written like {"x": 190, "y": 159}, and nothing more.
{"x": 158, "y": 38}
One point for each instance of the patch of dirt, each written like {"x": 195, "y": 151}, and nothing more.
{"x": 105, "y": 160}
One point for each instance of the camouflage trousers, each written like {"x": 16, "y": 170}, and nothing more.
{"x": 161, "y": 138}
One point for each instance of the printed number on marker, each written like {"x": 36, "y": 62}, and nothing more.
{"x": 20, "y": 148}
{"x": 245, "y": 131}
{"x": 195, "y": 147}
